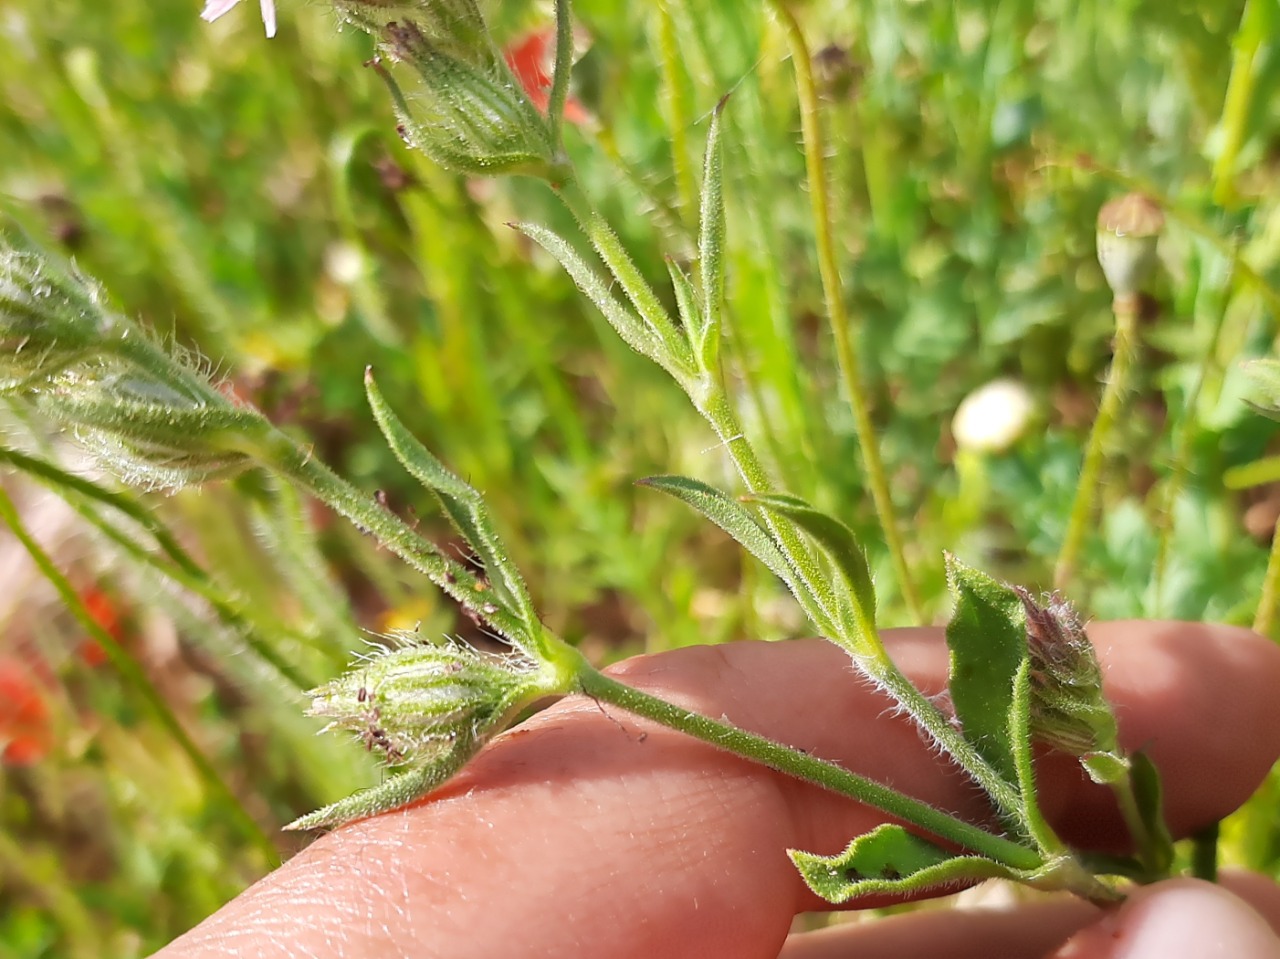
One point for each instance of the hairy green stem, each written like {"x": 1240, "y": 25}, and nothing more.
{"x": 136, "y": 678}
{"x": 837, "y": 313}
{"x": 560, "y": 78}
{"x": 926, "y": 715}
{"x": 1084, "y": 504}
{"x": 810, "y": 769}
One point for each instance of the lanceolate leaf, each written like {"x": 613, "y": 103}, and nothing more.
{"x": 736, "y": 520}
{"x": 711, "y": 246}
{"x": 639, "y": 336}
{"x": 841, "y": 547}
{"x": 464, "y": 506}
{"x": 686, "y": 299}
{"x": 890, "y": 860}
{"x": 987, "y": 637}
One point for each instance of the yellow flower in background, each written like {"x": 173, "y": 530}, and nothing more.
{"x": 213, "y": 9}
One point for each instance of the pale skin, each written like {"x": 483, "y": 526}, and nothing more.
{"x": 588, "y": 832}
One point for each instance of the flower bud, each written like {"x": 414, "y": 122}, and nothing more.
{"x": 464, "y": 108}
{"x": 1128, "y": 228}
{"x": 993, "y": 417}
{"x": 46, "y": 320}
{"x": 153, "y": 419}
{"x": 151, "y": 432}
{"x": 415, "y": 703}
{"x": 1068, "y": 710}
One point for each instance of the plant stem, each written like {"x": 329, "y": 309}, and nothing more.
{"x": 1182, "y": 454}
{"x": 808, "y": 768}
{"x": 837, "y": 313}
{"x": 560, "y": 78}
{"x": 1204, "y": 853}
{"x": 299, "y": 466}
{"x": 136, "y": 678}
{"x": 926, "y": 715}
{"x": 1264, "y": 619}
{"x": 1084, "y": 504}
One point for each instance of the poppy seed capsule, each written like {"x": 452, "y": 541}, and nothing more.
{"x": 1128, "y": 229}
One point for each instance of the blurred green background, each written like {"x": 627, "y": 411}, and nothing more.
{"x": 250, "y": 200}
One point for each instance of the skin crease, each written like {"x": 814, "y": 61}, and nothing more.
{"x": 588, "y": 832}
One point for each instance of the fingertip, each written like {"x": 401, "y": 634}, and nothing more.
{"x": 1183, "y": 917}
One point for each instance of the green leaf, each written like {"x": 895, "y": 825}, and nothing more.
{"x": 679, "y": 355}
{"x": 987, "y": 636}
{"x": 686, "y": 299}
{"x": 736, "y": 520}
{"x": 889, "y": 860}
{"x": 1149, "y": 797}
{"x": 711, "y": 237}
{"x": 1036, "y": 826}
{"x": 841, "y": 547}
{"x": 463, "y": 505}
{"x": 395, "y": 791}
{"x": 1264, "y": 386}
{"x": 637, "y": 335}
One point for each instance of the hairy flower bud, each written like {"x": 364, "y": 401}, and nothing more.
{"x": 413, "y": 704}
{"x": 47, "y": 319}
{"x": 1128, "y": 228}
{"x": 154, "y": 419}
{"x": 1068, "y": 710}
{"x": 464, "y": 108}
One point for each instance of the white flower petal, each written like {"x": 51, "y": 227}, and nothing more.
{"x": 216, "y": 8}
{"x": 269, "y": 16}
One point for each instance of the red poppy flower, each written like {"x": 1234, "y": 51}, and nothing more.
{"x": 25, "y": 730}
{"x": 104, "y": 612}
{"x": 532, "y": 60}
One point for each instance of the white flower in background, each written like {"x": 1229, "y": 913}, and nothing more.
{"x": 216, "y": 8}
{"x": 992, "y": 417}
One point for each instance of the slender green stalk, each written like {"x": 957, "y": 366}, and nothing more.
{"x": 1254, "y": 31}
{"x": 926, "y": 715}
{"x": 137, "y": 680}
{"x": 1147, "y": 844}
{"x": 1085, "y": 502}
{"x": 1204, "y": 852}
{"x": 837, "y": 313}
{"x": 1182, "y": 454}
{"x": 560, "y": 80}
{"x": 810, "y": 769}
{"x": 1264, "y": 620}
{"x": 395, "y": 534}
{"x": 678, "y": 120}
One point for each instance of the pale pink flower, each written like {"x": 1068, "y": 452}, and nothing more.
{"x": 216, "y": 8}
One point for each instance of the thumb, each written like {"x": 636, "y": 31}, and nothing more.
{"x": 1186, "y": 918}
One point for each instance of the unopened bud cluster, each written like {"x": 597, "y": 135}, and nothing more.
{"x": 154, "y": 420}
{"x": 464, "y": 108}
{"x": 1068, "y": 710}
{"x": 415, "y": 703}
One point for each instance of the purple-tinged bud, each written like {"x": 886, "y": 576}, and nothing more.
{"x": 1068, "y": 710}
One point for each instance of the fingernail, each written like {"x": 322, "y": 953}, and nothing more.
{"x": 1185, "y": 918}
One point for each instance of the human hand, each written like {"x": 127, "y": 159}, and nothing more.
{"x": 583, "y": 832}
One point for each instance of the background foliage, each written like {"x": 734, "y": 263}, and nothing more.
{"x": 251, "y": 200}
